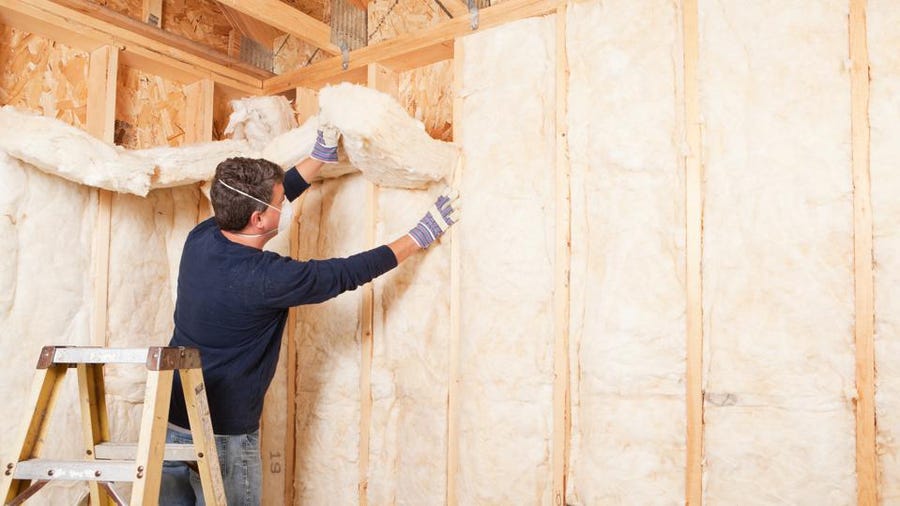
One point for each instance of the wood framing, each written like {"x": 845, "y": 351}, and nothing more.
{"x": 289, "y": 20}
{"x": 693, "y": 167}
{"x": 81, "y": 30}
{"x": 307, "y": 106}
{"x": 250, "y": 27}
{"x": 101, "y": 117}
{"x": 151, "y": 12}
{"x": 562, "y": 262}
{"x": 411, "y": 50}
{"x": 198, "y": 121}
{"x": 864, "y": 290}
{"x": 453, "y": 372}
{"x": 456, "y": 8}
{"x": 386, "y": 81}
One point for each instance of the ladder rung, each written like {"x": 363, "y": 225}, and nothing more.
{"x": 76, "y": 470}
{"x": 128, "y": 451}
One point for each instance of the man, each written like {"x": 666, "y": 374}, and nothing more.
{"x": 233, "y": 301}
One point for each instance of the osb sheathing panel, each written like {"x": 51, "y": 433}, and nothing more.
{"x": 199, "y": 20}
{"x": 292, "y": 53}
{"x": 315, "y": 8}
{"x": 427, "y": 95}
{"x": 425, "y": 91}
{"x": 41, "y": 75}
{"x": 151, "y": 109}
{"x": 221, "y": 112}
{"x": 131, "y": 8}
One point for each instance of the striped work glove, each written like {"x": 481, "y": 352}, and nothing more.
{"x": 325, "y": 149}
{"x": 443, "y": 213}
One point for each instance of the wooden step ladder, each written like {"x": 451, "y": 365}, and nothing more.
{"x": 106, "y": 462}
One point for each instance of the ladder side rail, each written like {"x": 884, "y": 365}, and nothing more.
{"x": 152, "y": 439}
{"x": 203, "y": 437}
{"x": 30, "y": 442}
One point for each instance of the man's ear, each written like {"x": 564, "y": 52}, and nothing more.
{"x": 256, "y": 219}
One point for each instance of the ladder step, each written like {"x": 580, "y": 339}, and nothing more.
{"x": 155, "y": 358}
{"x": 128, "y": 451}
{"x": 88, "y": 355}
{"x": 76, "y": 470}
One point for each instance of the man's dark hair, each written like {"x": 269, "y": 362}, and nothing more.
{"x": 252, "y": 176}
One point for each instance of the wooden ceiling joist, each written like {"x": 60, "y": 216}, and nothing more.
{"x": 289, "y": 20}
{"x": 250, "y": 27}
{"x": 87, "y": 26}
{"x": 409, "y": 51}
{"x": 456, "y": 8}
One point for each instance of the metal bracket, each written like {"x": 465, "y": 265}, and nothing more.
{"x": 473, "y": 14}
{"x": 345, "y": 54}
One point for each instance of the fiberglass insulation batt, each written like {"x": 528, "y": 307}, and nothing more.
{"x": 777, "y": 253}
{"x": 408, "y": 443}
{"x": 47, "y": 226}
{"x": 627, "y": 343}
{"x": 507, "y": 275}
{"x": 884, "y": 115}
{"x": 332, "y": 224}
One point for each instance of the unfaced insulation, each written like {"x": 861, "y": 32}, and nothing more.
{"x": 506, "y": 278}
{"x": 385, "y": 143}
{"x": 777, "y": 254}
{"x": 627, "y": 340}
{"x": 328, "y": 352}
{"x": 884, "y": 115}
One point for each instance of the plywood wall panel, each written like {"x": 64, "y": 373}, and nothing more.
{"x": 39, "y": 74}
{"x": 149, "y": 110}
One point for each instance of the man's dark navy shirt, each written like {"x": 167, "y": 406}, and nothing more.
{"x": 233, "y": 303}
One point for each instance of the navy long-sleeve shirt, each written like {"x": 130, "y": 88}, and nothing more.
{"x": 233, "y": 303}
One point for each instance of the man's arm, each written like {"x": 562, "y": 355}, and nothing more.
{"x": 324, "y": 151}
{"x": 403, "y": 248}
{"x": 309, "y": 168}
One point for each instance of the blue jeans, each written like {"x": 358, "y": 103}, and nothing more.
{"x": 241, "y": 472}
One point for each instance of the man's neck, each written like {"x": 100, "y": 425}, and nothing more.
{"x": 253, "y": 242}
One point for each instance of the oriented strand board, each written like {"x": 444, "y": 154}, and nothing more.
{"x": 507, "y": 278}
{"x": 328, "y": 401}
{"x": 627, "y": 340}
{"x": 150, "y": 108}
{"x": 389, "y": 18}
{"x": 426, "y": 94}
{"x": 292, "y": 53}
{"x": 777, "y": 260}
{"x": 884, "y": 114}
{"x": 41, "y": 75}
{"x": 198, "y": 20}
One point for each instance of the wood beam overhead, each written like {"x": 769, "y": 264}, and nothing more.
{"x": 411, "y": 50}
{"x": 456, "y": 8}
{"x": 87, "y": 26}
{"x": 250, "y": 27}
{"x": 289, "y": 20}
